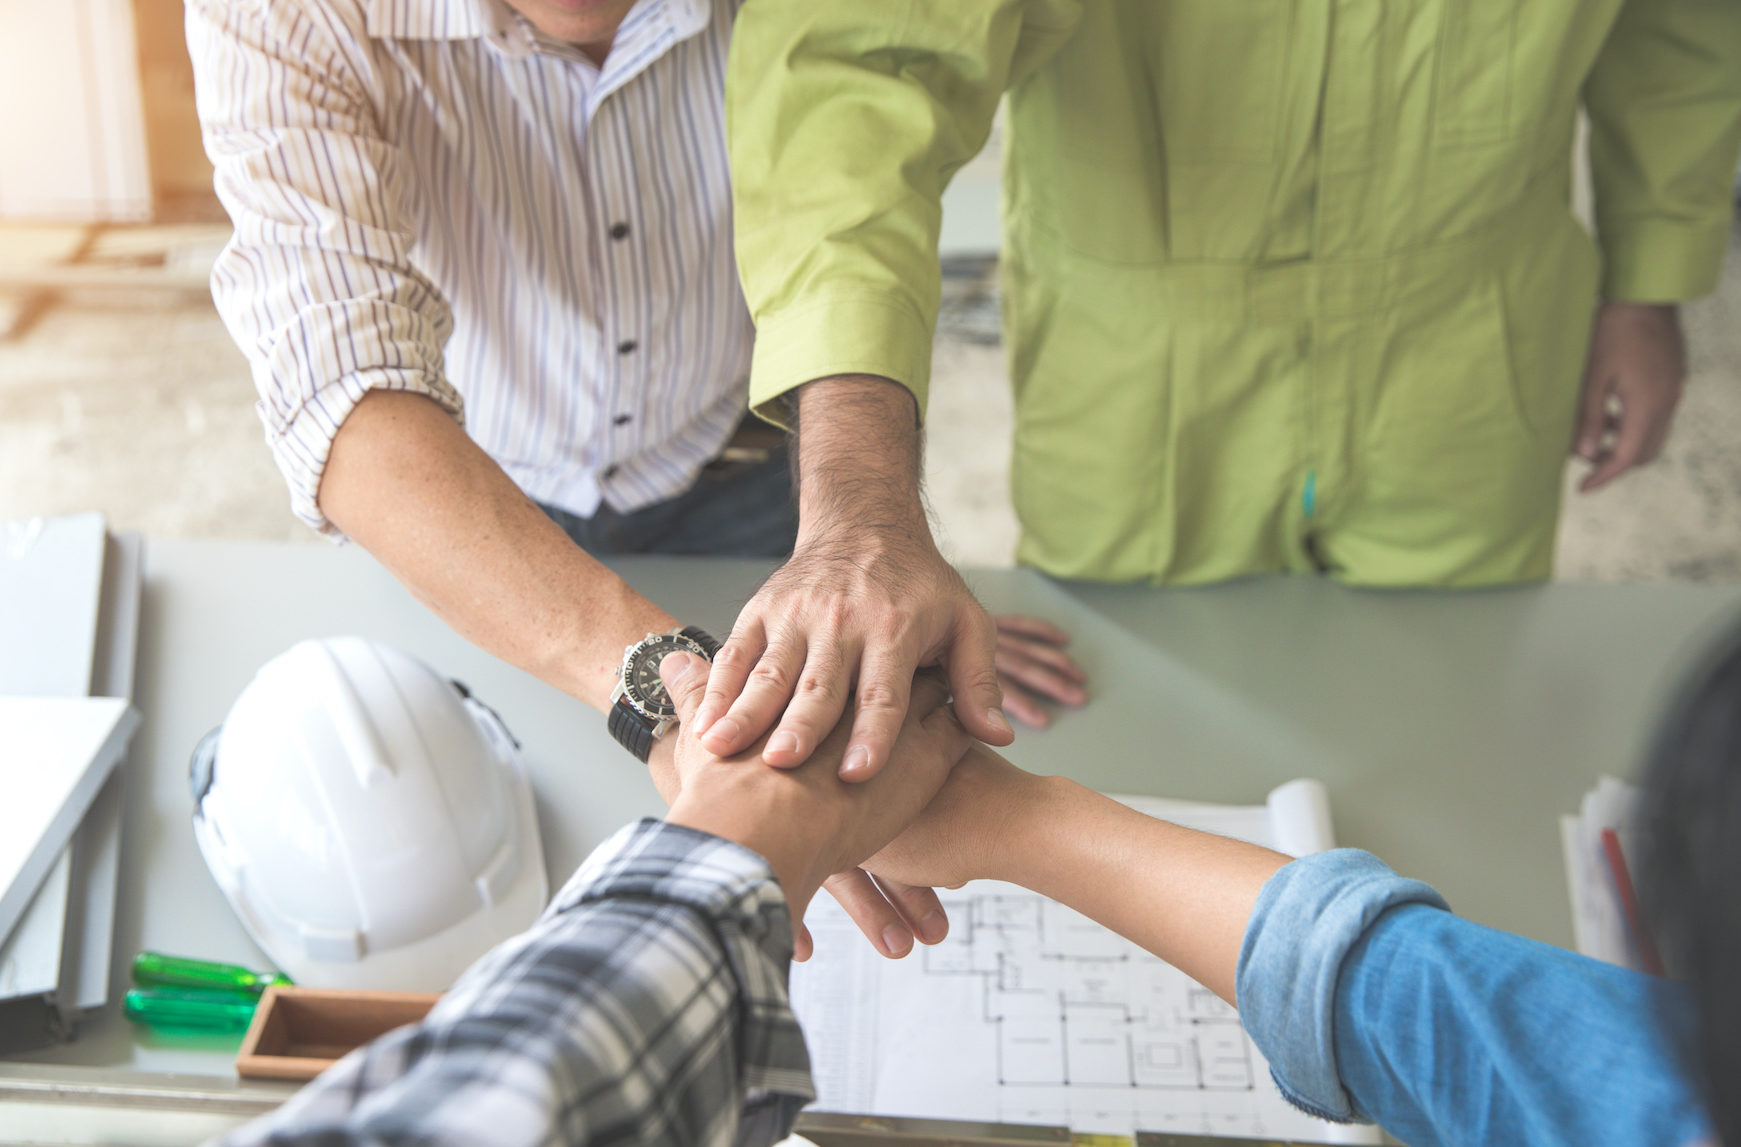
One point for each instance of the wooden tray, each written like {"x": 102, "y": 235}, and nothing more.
{"x": 298, "y": 1033}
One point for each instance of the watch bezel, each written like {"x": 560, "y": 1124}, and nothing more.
{"x": 638, "y": 653}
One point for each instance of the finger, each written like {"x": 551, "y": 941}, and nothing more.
{"x": 1050, "y": 656}
{"x": 1025, "y": 707}
{"x": 1025, "y": 673}
{"x": 762, "y": 701}
{"x": 1622, "y": 457}
{"x": 972, "y": 665}
{"x": 879, "y": 920}
{"x": 1014, "y": 624}
{"x": 919, "y": 907}
{"x": 1038, "y": 678}
{"x": 731, "y": 670}
{"x": 803, "y": 945}
{"x": 817, "y": 703}
{"x": 885, "y": 685}
{"x": 1592, "y": 415}
{"x": 685, "y": 677}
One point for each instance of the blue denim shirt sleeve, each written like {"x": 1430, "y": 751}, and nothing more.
{"x": 1373, "y": 1002}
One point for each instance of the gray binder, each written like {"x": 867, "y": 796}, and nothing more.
{"x": 69, "y": 620}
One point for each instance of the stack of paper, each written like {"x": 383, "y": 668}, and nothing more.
{"x": 1599, "y": 914}
{"x": 69, "y": 612}
{"x": 1030, "y": 1013}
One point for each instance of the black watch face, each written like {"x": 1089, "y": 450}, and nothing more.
{"x": 641, "y": 683}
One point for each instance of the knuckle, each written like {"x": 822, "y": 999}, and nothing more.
{"x": 981, "y": 677}
{"x": 816, "y": 685}
{"x": 837, "y": 613}
{"x": 730, "y": 656}
{"x": 771, "y": 674}
{"x": 879, "y": 695}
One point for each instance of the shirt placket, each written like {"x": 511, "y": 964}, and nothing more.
{"x": 623, "y": 386}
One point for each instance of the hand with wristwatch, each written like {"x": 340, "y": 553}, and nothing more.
{"x": 641, "y": 711}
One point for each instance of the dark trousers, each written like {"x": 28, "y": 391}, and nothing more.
{"x": 734, "y": 509}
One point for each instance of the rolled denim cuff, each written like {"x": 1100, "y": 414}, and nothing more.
{"x": 1308, "y": 916}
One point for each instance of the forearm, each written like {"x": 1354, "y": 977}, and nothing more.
{"x": 1183, "y": 895}
{"x": 857, "y": 463}
{"x": 405, "y": 482}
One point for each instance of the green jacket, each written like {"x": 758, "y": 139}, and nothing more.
{"x": 1289, "y": 284}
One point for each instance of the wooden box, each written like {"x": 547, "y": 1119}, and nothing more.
{"x": 298, "y": 1033}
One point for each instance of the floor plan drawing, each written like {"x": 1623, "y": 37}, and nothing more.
{"x": 1031, "y": 1013}
{"x": 1073, "y": 1004}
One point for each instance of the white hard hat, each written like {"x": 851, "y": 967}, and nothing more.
{"x": 368, "y": 819}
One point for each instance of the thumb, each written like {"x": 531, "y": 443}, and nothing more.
{"x": 685, "y": 677}
{"x": 972, "y": 666}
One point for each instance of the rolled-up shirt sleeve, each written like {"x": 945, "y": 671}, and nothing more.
{"x": 1373, "y": 1002}
{"x": 317, "y": 284}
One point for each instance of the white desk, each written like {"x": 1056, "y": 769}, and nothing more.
{"x": 1451, "y": 730}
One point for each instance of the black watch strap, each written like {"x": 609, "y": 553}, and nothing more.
{"x": 702, "y": 638}
{"x": 630, "y": 729}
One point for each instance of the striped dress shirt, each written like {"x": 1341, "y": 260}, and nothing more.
{"x": 431, "y": 196}
{"x": 648, "y": 1007}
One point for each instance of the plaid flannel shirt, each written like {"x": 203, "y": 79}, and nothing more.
{"x": 647, "y": 1006}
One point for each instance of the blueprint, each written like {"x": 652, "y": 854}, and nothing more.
{"x": 1032, "y": 1013}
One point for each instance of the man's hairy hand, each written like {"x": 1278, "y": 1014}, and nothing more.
{"x": 864, "y": 602}
{"x": 1632, "y": 384}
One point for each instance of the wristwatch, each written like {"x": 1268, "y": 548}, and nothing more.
{"x": 641, "y": 710}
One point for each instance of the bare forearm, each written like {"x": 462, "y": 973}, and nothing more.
{"x": 1183, "y": 895}
{"x": 406, "y": 483}
{"x": 858, "y": 460}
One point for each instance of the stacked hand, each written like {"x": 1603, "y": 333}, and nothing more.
{"x": 825, "y": 653}
{"x": 845, "y": 625}
{"x": 811, "y": 826}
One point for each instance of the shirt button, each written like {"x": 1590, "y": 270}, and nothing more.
{"x": 627, "y": 346}
{"x": 619, "y": 231}
{"x": 610, "y": 471}
{"x": 621, "y": 420}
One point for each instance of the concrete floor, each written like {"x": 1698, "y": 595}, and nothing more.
{"x": 136, "y": 403}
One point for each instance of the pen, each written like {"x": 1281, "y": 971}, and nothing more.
{"x": 1647, "y": 953}
{"x": 190, "y": 1009}
{"x": 155, "y": 970}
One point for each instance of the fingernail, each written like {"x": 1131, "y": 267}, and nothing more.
{"x": 934, "y": 927}
{"x": 676, "y": 668}
{"x": 783, "y": 743}
{"x": 896, "y": 941}
{"x": 726, "y": 730}
{"x": 857, "y": 761}
{"x": 704, "y": 718}
{"x": 995, "y": 718}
